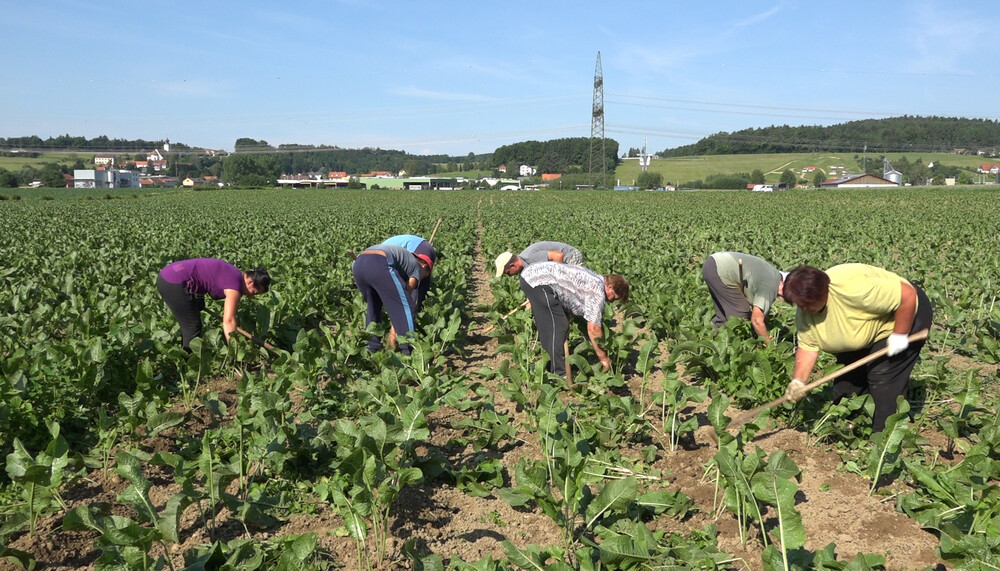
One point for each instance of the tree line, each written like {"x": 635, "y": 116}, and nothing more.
{"x": 894, "y": 134}
{"x": 292, "y": 158}
{"x": 567, "y": 155}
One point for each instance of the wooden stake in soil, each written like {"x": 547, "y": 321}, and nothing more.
{"x": 569, "y": 368}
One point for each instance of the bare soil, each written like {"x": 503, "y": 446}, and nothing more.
{"x": 835, "y": 505}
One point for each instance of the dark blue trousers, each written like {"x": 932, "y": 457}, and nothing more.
{"x": 382, "y": 286}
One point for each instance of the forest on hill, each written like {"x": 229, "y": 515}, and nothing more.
{"x": 890, "y": 135}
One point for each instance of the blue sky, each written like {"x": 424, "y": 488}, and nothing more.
{"x": 458, "y": 77}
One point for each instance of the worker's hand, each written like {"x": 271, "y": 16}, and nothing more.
{"x": 898, "y": 342}
{"x": 796, "y": 390}
{"x": 606, "y": 363}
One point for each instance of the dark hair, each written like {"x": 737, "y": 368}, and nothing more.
{"x": 804, "y": 285}
{"x": 261, "y": 279}
{"x": 619, "y": 285}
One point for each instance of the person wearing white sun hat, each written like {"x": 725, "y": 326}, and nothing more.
{"x": 508, "y": 263}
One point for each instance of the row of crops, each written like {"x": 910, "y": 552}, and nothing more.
{"x": 93, "y": 374}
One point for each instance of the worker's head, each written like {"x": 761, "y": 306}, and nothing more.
{"x": 256, "y": 281}
{"x": 428, "y": 250}
{"x": 616, "y": 287}
{"x": 508, "y": 263}
{"x": 781, "y": 284}
{"x": 807, "y": 287}
{"x": 426, "y": 264}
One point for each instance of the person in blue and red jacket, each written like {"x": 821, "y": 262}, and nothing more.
{"x": 417, "y": 245}
{"x": 388, "y": 277}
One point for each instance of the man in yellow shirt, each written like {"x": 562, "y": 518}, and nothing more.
{"x": 851, "y": 311}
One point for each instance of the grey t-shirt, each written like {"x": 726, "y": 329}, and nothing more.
{"x": 760, "y": 278}
{"x": 400, "y": 258}
{"x": 539, "y": 252}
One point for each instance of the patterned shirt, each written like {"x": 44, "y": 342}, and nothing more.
{"x": 580, "y": 291}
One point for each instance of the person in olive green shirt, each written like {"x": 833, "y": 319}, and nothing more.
{"x": 851, "y": 311}
{"x": 747, "y": 294}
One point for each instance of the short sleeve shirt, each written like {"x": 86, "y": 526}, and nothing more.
{"x": 204, "y": 276}
{"x": 580, "y": 290}
{"x": 860, "y": 310}
{"x": 539, "y": 252}
{"x": 761, "y": 279}
{"x": 401, "y": 259}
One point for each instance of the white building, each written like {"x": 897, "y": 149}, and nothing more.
{"x": 105, "y": 179}
{"x": 527, "y": 171}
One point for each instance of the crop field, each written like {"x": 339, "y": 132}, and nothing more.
{"x": 125, "y": 452}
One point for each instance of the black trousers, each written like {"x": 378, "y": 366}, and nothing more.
{"x": 885, "y": 379}
{"x": 186, "y": 308}
{"x": 552, "y": 324}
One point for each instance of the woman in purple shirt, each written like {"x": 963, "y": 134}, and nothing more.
{"x": 184, "y": 285}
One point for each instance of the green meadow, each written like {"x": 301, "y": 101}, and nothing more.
{"x": 683, "y": 169}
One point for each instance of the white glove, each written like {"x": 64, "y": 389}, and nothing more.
{"x": 796, "y": 390}
{"x": 897, "y": 343}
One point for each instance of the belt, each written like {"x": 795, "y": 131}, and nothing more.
{"x": 379, "y": 252}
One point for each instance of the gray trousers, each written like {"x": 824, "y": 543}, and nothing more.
{"x": 729, "y": 301}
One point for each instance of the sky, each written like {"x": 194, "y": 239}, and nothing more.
{"x": 454, "y": 77}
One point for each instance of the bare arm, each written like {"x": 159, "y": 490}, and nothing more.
{"x": 759, "y": 325}
{"x": 412, "y": 282}
{"x": 805, "y": 360}
{"x": 231, "y": 303}
{"x": 595, "y": 332}
{"x": 556, "y": 256}
{"x": 906, "y": 311}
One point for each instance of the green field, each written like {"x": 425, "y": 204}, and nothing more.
{"x": 684, "y": 169}
{"x": 123, "y": 451}
{"x": 15, "y": 163}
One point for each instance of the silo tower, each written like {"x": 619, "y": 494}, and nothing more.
{"x": 890, "y": 173}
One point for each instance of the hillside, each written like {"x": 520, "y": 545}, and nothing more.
{"x": 680, "y": 170}
{"x": 894, "y": 134}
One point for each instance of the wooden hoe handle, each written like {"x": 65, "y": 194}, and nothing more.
{"x": 752, "y": 413}
{"x": 505, "y": 316}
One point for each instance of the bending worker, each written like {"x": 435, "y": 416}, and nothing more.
{"x": 508, "y": 263}
{"x": 387, "y": 276}
{"x": 853, "y": 310}
{"x": 184, "y": 284}
{"x": 417, "y": 245}
{"x": 746, "y": 292}
{"x": 555, "y": 290}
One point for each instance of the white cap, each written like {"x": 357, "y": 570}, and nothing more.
{"x": 502, "y": 261}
